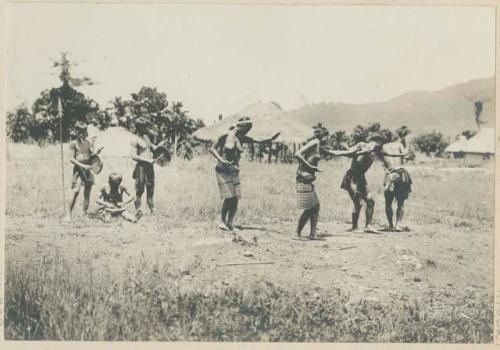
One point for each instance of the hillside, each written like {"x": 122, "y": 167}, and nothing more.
{"x": 446, "y": 110}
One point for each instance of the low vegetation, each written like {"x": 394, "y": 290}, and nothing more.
{"x": 55, "y": 300}
{"x": 51, "y": 297}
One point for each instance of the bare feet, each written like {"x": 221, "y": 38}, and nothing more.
{"x": 67, "y": 217}
{"x": 138, "y": 214}
{"x": 224, "y": 227}
{"x": 355, "y": 230}
{"x": 370, "y": 229}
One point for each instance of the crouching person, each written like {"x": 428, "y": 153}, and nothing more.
{"x": 111, "y": 200}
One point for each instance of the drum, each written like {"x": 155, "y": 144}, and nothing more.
{"x": 115, "y": 210}
{"x": 95, "y": 164}
{"x": 162, "y": 156}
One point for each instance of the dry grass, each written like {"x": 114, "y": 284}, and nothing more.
{"x": 188, "y": 191}
{"x": 54, "y": 299}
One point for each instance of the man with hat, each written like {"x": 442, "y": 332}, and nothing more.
{"x": 354, "y": 182}
{"x": 307, "y": 200}
{"x": 142, "y": 153}
{"x": 111, "y": 200}
{"x": 227, "y": 150}
{"x": 82, "y": 151}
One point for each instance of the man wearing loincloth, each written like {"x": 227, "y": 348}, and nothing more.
{"x": 227, "y": 150}
{"x": 354, "y": 181}
{"x": 142, "y": 154}
{"x": 111, "y": 200}
{"x": 81, "y": 150}
{"x": 397, "y": 181}
{"x": 307, "y": 199}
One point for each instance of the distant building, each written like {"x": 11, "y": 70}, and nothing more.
{"x": 477, "y": 149}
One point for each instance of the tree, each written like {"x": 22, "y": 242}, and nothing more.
{"x": 468, "y": 133}
{"x": 45, "y": 124}
{"x": 401, "y": 133}
{"x": 360, "y": 133}
{"x": 432, "y": 143}
{"x": 388, "y": 135}
{"x": 167, "y": 121}
{"x": 19, "y": 124}
{"x": 148, "y": 103}
{"x": 181, "y": 126}
{"x": 75, "y": 107}
{"x": 338, "y": 140}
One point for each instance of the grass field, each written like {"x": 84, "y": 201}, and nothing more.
{"x": 164, "y": 278}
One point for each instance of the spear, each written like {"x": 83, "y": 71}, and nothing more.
{"x": 60, "y": 115}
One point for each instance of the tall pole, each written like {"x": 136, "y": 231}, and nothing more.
{"x": 60, "y": 115}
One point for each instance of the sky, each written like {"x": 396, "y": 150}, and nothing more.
{"x": 221, "y": 58}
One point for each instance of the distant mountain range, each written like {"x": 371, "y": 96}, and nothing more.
{"x": 449, "y": 110}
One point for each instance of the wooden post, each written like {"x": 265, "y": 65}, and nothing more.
{"x": 252, "y": 150}
{"x": 175, "y": 147}
{"x": 278, "y": 149}
{"x": 60, "y": 115}
{"x": 270, "y": 152}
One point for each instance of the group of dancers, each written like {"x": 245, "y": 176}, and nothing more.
{"x": 397, "y": 182}
{"x": 227, "y": 150}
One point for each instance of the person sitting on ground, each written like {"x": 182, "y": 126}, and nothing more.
{"x": 111, "y": 200}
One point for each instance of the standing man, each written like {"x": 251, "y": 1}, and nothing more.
{"x": 142, "y": 154}
{"x": 227, "y": 150}
{"x": 397, "y": 181}
{"x": 354, "y": 182}
{"x": 307, "y": 200}
{"x": 81, "y": 150}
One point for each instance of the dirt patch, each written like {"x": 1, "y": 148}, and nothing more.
{"x": 380, "y": 267}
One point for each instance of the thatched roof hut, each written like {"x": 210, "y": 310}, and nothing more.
{"x": 115, "y": 140}
{"x": 479, "y": 147}
{"x": 481, "y": 143}
{"x": 268, "y": 118}
{"x": 457, "y": 146}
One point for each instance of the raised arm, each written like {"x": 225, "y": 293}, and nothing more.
{"x": 130, "y": 197}
{"x": 248, "y": 139}
{"x": 160, "y": 144}
{"x": 214, "y": 149}
{"x": 303, "y": 150}
{"x": 351, "y": 152}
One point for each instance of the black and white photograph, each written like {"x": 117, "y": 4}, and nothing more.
{"x": 249, "y": 173}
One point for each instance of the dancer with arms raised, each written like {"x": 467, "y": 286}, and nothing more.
{"x": 227, "y": 150}
{"x": 307, "y": 199}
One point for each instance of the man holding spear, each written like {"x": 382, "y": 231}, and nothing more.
{"x": 82, "y": 151}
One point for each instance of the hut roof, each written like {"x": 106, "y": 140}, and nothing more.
{"x": 483, "y": 142}
{"x": 268, "y": 118}
{"x": 115, "y": 140}
{"x": 457, "y": 146}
